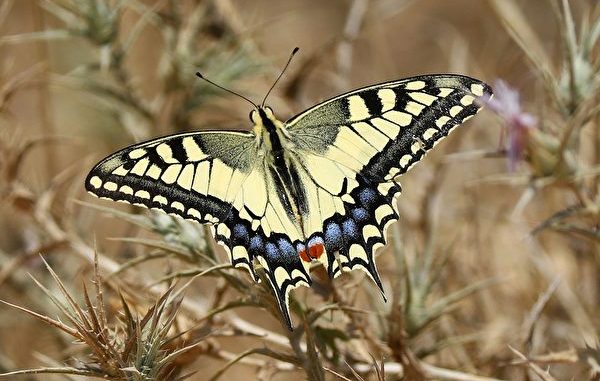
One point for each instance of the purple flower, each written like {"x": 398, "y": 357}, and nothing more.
{"x": 506, "y": 103}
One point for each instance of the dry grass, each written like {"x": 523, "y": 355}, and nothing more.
{"x": 492, "y": 273}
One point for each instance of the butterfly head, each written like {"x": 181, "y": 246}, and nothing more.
{"x": 259, "y": 114}
{"x": 264, "y": 120}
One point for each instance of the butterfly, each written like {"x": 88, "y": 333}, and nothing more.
{"x": 319, "y": 187}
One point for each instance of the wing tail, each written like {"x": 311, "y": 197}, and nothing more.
{"x": 276, "y": 253}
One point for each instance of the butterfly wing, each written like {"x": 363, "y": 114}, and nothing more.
{"x": 193, "y": 175}
{"x": 346, "y": 213}
{"x": 263, "y": 226}
{"x": 218, "y": 178}
{"x": 354, "y": 147}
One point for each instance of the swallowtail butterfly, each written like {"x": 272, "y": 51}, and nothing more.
{"x": 321, "y": 186}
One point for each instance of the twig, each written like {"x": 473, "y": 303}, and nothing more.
{"x": 545, "y": 376}
{"x": 536, "y": 311}
{"x": 451, "y": 375}
{"x": 354, "y": 21}
{"x": 45, "y": 111}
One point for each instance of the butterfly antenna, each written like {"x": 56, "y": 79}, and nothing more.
{"x": 280, "y": 75}
{"x": 199, "y": 75}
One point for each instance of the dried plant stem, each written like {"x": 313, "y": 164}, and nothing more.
{"x": 45, "y": 111}
{"x": 392, "y": 368}
{"x": 536, "y": 311}
{"x": 354, "y": 22}
{"x": 451, "y": 375}
{"x": 54, "y": 370}
{"x": 564, "y": 293}
{"x": 9, "y": 269}
{"x": 230, "y": 14}
{"x": 544, "y": 375}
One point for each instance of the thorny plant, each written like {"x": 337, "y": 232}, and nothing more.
{"x": 552, "y": 143}
{"x": 344, "y": 332}
{"x": 134, "y": 347}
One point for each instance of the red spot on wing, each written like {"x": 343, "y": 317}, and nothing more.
{"x": 303, "y": 255}
{"x": 315, "y": 251}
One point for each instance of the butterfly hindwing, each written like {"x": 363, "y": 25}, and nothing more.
{"x": 260, "y": 227}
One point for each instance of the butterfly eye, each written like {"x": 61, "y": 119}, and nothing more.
{"x": 268, "y": 111}
{"x": 251, "y": 116}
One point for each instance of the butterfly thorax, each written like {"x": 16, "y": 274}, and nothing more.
{"x": 279, "y": 161}
{"x": 269, "y": 130}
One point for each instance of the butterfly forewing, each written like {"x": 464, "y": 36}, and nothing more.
{"x": 195, "y": 176}
{"x": 390, "y": 125}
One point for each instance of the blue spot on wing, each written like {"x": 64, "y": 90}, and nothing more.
{"x": 367, "y": 197}
{"x": 350, "y": 229}
{"x": 256, "y": 244}
{"x": 315, "y": 241}
{"x": 288, "y": 251}
{"x": 333, "y": 237}
{"x": 240, "y": 235}
{"x": 360, "y": 214}
{"x": 271, "y": 251}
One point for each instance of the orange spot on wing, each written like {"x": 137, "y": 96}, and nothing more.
{"x": 304, "y": 256}
{"x": 315, "y": 251}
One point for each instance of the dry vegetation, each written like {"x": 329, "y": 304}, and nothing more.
{"x": 492, "y": 272}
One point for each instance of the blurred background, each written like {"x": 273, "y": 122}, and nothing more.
{"x": 491, "y": 273}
